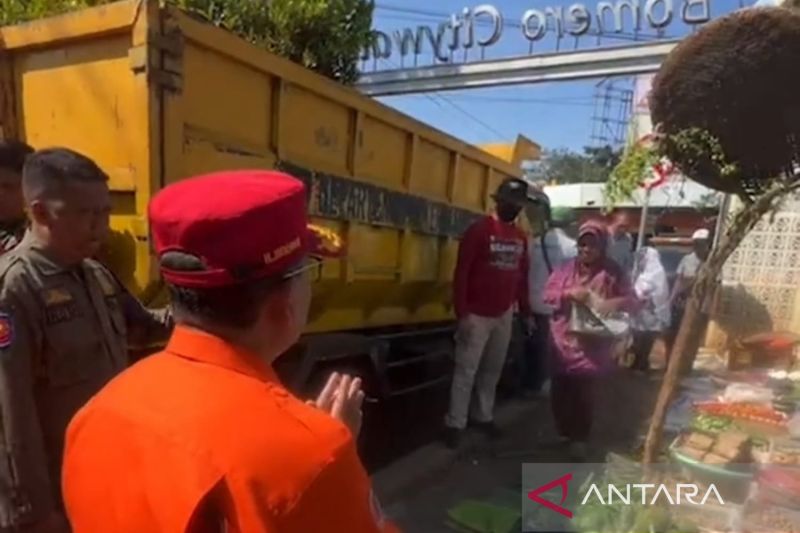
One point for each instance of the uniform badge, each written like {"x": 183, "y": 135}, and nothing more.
{"x": 6, "y": 330}
{"x": 59, "y": 306}
{"x": 56, "y": 297}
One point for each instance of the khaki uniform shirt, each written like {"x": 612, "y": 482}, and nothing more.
{"x": 11, "y": 235}
{"x": 64, "y": 334}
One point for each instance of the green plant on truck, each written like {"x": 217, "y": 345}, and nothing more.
{"x": 326, "y": 36}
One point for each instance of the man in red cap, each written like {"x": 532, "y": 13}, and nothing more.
{"x": 202, "y": 436}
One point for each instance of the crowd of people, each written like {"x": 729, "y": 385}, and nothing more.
{"x": 565, "y": 272}
{"x": 202, "y": 436}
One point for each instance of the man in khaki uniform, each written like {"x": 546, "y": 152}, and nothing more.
{"x": 12, "y": 206}
{"x": 65, "y": 326}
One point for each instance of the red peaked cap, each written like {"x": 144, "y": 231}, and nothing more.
{"x": 243, "y": 225}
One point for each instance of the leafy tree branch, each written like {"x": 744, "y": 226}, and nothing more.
{"x": 326, "y": 36}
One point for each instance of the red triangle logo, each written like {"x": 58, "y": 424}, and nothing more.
{"x": 562, "y": 482}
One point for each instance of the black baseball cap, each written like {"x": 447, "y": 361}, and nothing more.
{"x": 513, "y": 191}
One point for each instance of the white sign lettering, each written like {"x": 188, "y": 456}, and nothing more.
{"x": 460, "y": 31}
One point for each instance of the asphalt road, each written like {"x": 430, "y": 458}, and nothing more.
{"x": 418, "y": 489}
{"x": 397, "y": 427}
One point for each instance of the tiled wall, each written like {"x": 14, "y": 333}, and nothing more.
{"x": 761, "y": 278}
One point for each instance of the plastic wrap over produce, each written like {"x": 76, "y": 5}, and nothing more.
{"x": 746, "y": 393}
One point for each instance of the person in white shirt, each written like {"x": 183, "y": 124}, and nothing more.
{"x": 549, "y": 248}
{"x": 687, "y": 271}
{"x": 620, "y": 244}
{"x": 653, "y": 317}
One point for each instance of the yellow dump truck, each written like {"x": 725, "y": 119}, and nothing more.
{"x": 155, "y": 95}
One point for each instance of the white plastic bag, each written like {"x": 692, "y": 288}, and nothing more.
{"x": 584, "y": 320}
{"x": 745, "y": 393}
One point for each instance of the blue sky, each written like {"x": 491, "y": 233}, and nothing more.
{"x": 556, "y": 115}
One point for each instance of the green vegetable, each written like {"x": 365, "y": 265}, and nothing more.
{"x": 711, "y": 424}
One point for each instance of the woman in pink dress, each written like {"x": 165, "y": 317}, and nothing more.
{"x": 580, "y": 359}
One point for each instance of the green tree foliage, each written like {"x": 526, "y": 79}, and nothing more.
{"x": 326, "y": 36}
{"x": 634, "y": 167}
{"x": 605, "y": 156}
{"x": 566, "y": 166}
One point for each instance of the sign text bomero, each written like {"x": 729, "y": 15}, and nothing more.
{"x": 460, "y": 32}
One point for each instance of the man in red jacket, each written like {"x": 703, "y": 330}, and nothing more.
{"x": 491, "y": 275}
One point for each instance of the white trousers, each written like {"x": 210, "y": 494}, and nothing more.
{"x": 481, "y": 349}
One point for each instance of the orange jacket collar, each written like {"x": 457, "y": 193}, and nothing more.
{"x": 204, "y": 347}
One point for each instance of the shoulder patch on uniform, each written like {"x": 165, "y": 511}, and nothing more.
{"x": 105, "y": 279}
{"x": 6, "y": 330}
{"x": 57, "y": 296}
{"x": 7, "y": 262}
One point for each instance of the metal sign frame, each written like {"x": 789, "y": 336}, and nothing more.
{"x": 623, "y": 60}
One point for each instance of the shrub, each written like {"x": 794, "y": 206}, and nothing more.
{"x": 728, "y": 103}
{"x": 326, "y": 36}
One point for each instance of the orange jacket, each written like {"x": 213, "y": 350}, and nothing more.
{"x": 202, "y": 435}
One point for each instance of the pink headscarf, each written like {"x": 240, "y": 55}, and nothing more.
{"x": 599, "y": 230}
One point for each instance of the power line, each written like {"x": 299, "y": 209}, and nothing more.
{"x": 433, "y": 97}
{"x": 499, "y": 134}
{"x": 412, "y": 11}
{"x": 581, "y": 101}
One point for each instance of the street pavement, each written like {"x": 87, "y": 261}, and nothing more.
{"x": 417, "y": 490}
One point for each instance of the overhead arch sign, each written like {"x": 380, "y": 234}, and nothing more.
{"x": 484, "y": 25}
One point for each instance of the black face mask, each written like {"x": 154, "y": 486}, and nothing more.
{"x": 508, "y": 212}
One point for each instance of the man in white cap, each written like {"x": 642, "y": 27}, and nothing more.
{"x": 620, "y": 242}
{"x": 685, "y": 275}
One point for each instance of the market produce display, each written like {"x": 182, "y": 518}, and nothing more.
{"x": 750, "y": 412}
{"x": 711, "y": 423}
{"x": 738, "y": 430}
{"x": 724, "y": 448}
{"x": 748, "y": 393}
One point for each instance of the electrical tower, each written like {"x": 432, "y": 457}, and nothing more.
{"x": 613, "y": 106}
